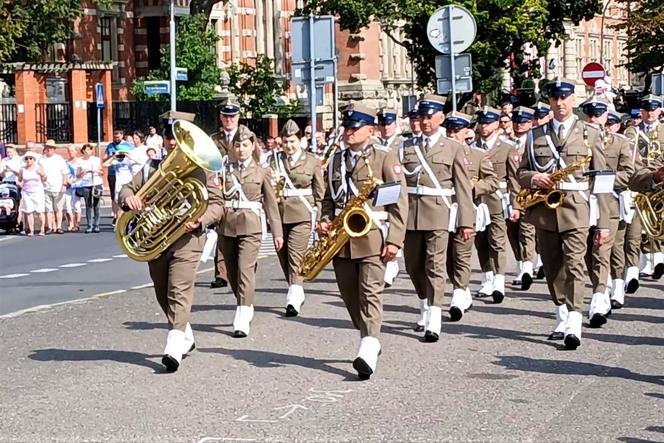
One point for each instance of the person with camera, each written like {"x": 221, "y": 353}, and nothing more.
{"x": 124, "y": 161}
{"x": 90, "y": 186}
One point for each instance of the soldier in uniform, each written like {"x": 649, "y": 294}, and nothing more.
{"x": 225, "y": 138}
{"x": 491, "y": 244}
{"x": 484, "y": 182}
{"x": 440, "y": 202}
{"x": 414, "y": 123}
{"x": 298, "y": 174}
{"x": 249, "y": 197}
{"x": 360, "y": 265}
{"x": 619, "y": 161}
{"x": 563, "y": 232}
{"x": 542, "y": 114}
{"x": 521, "y": 234}
{"x": 174, "y": 271}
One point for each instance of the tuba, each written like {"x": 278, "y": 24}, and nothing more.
{"x": 170, "y": 198}
{"x": 353, "y": 221}
{"x": 650, "y": 207}
{"x": 654, "y": 146}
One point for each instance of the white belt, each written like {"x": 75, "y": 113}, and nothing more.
{"x": 237, "y": 204}
{"x": 378, "y": 215}
{"x": 502, "y": 185}
{"x": 567, "y": 186}
{"x": 304, "y": 192}
{"x": 426, "y": 190}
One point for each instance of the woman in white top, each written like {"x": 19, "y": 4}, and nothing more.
{"x": 72, "y": 201}
{"x": 123, "y": 159}
{"x": 9, "y": 166}
{"x": 90, "y": 185}
{"x": 31, "y": 179}
{"x": 139, "y": 154}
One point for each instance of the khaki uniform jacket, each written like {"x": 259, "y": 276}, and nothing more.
{"x": 642, "y": 180}
{"x": 215, "y": 209}
{"x": 446, "y": 160}
{"x": 257, "y": 187}
{"x": 226, "y": 148}
{"x": 505, "y": 160}
{"x": 644, "y": 141}
{"x": 385, "y": 166}
{"x": 484, "y": 178}
{"x": 394, "y": 144}
{"x": 304, "y": 174}
{"x": 575, "y": 210}
{"x": 618, "y": 158}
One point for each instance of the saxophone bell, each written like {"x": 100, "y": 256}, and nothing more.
{"x": 554, "y": 199}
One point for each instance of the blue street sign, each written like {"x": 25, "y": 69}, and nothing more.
{"x": 151, "y": 87}
{"x": 99, "y": 91}
{"x": 181, "y": 74}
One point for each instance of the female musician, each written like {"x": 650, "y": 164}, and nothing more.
{"x": 300, "y": 188}
{"x": 249, "y": 198}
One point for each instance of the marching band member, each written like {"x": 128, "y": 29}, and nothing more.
{"x": 484, "y": 182}
{"x": 435, "y": 173}
{"x": 298, "y": 174}
{"x": 521, "y": 234}
{"x": 491, "y": 243}
{"x": 360, "y": 265}
{"x": 414, "y": 123}
{"x": 249, "y": 197}
{"x": 542, "y": 114}
{"x": 174, "y": 271}
{"x": 619, "y": 160}
{"x": 562, "y": 232}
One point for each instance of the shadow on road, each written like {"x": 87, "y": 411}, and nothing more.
{"x": 134, "y": 358}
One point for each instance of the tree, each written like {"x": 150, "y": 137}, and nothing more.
{"x": 503, "y": 28}
{"x": 258, "y": 90}
{"x": 193, "y": 50}
{"x": 29, "y": 27}
{"x": 202, "y": 7}
{"x": 644, "y": 27}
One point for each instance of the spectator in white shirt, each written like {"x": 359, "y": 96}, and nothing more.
{"x": 10, "y": 165}
{"x": 139, "y": 154}
{"x": 154, "y": 140}
{"x": 90, "y": 185}
{"x": 124, "y": 164}
{"x": 55, "y": 168}
{"x": 72, "y": 201}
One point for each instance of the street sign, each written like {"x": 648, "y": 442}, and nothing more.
{"x": 151, "y": 87}
{"x": 464, "y": 84}
{"x": 462, "y": 66}
{"x": 591, "y": 73}
{"x": 300, "y": 72}
{"x": 657, "y": 84}
{"x": 464, "y": 32}
{"x": 324, "y": 48}
{"x": 99, "y": 93}
{"x": 181, "y": 74}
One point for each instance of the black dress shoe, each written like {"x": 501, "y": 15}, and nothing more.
{"x": 516, "y": 282}
{"x": 498, "y": 297}
{"x": 290, "y": 311}
{"x": 556, "y": 336}
{"x": 540, "y": 273}
{"x": 526, "y": 282}
{"x": 239, "y": 334}
{"x": 615, "y": 304}
{"x": 171, "y": 364}
{"x": 419, "y": 328}
{"x": 572, "y": 342}
{"x": 597, "y": 321}
{"x": 219, "y": 283}
{"x": 430, "y": 337}
{"x": 482, "y": 295}
{"x": 363, "y": 369}
{"x": 658, "y": 271}
{"x": 632, "y": 286}
{"x": 455, "y": 313}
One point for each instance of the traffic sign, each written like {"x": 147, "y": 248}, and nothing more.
{"x": 462, "y": 66}
{"x": 300, "y": 72}
{"x": 591, "y": 73}
{"x": 463, "y": 84}
{"x": 151, "y": 87}
{"x": 99, "y": 92}
{"x": 323, "y": 44}
{"x": 181, "y": 74}
{"x": 460, "y": 37}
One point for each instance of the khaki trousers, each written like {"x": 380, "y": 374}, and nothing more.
{"x": 459, "y": 256}
{"x": 241, "y": 256}
{"x": 617, "y": 261}
{"x": 361, "y": 285}
{"x": 522, "y": 240}
{"x": 491, "y": 244}
{"x": 174, "y": 274}
{"x": 219, "y": 265}
{"x": 564, "y": 267}
{"x": 296, "y": 240}
{"x": 425, "y": 254}
{"x": 633, "y": 242}
{"x": 598, "y": 259}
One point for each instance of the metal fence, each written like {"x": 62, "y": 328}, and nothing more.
{"x": 8, "y": 128}
{"x": 53, "y": 122}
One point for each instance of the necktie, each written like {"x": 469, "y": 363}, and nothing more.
{"x": 561, "y": 132}
{"x": 485, "y": 146}
{"x": 228, "y": 137}
{"x": 291, "y": 160}
{"x": 242, "y": 166}
{"x": 426, "y": 142}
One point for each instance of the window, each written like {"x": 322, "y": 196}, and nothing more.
{"x": 109, "y": 43}
{"x": 153, "y": 42}
{"x": 607, "y": 53}
{"x": 594, "y": 53}
{"x": 579, "y": 54}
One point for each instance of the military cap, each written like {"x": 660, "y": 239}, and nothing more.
{"x": 650, "y": 102}
{"x": 290, "y": 128}
{"x": 595, "y": 106}
{"x": 560, "y": 87}
{"x": 541, "y": 110}
{"x": 488, "y": 114}
{"x": 229, "y": 108}
{"x": 387, "y": 116}
{"x": 635, "y": 113}
{"x": 413, "y": 113}
{"x": 358, "y": 115}
{"x": 431, "y": 104}
{"x": 614, "y": 118}
{"x": 243, "y": 133}
{"x": 457, "y": 120}
{"x": 523, "y": 114}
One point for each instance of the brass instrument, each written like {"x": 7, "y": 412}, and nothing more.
{"x": 170, "y": 198}
{"x": 278, "y": 178}
{"x": 528, "y": 197}
{"x": 330, "y": 150}
{"x": 353, "y": 221}
{"x": 650, "y": 207}
{"x": 654, "y": 146}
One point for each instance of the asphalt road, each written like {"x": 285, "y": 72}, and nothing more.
{"x": 90, "y": 371}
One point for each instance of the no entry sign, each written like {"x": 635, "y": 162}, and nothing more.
{"x": 591, "y": 73}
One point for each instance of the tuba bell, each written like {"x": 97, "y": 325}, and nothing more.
{"x": 170, "y": 198}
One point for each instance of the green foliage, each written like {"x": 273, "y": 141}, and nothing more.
{"x": 29, "y": 27}
{"x": 503, "y": 28}
{"x": 193, "y": 50}
{"x": 257, "y": 89}
{"x": 645, "y": 35}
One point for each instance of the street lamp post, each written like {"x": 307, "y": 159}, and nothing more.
{"x": 172, "y": 45}
{"x": 601, "y": 35}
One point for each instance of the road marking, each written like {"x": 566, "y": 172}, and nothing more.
{"x": 99, "y": 260}
{"x": 68, "y": 302}
{"x": 147, "y": 285}
{"x": 5, "y": 238}
{"x": 120, "y": 256}
{"x": 13, "y": 275}
{"x": 44, "y": 270}
{"x": 72, "y": 265}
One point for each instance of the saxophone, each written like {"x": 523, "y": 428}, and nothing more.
{"x": 353, "y": 221}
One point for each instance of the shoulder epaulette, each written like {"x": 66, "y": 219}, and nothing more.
{"x": 380, "y": 147}
{"x": 507, "y": 140}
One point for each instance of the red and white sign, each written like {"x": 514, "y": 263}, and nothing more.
{"x": 591, "y": 73}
